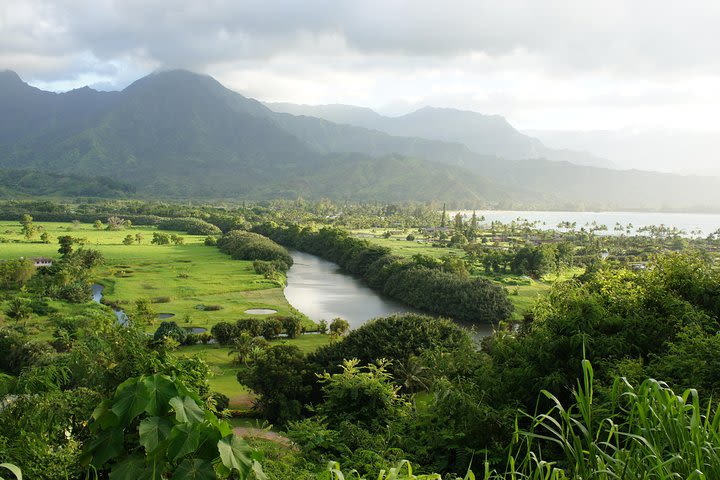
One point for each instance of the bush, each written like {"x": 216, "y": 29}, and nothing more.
{"x": 271, "y": 328}
{"x": 191, "y": 226}
{"x": 210, "y": 241}
{"x": 396, "y": 338}
{"x": 170, "y": 330}
{"x": 242, "y": 245}
{"x": 161, "y": 300}
{"x": 253, "y": 326}
{"x": 224, "y": 333}
{"x": 339, "y": 327}
{"x": 292, "y": 326}
{"x": 280, "y": 378}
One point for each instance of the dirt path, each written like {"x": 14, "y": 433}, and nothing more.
{"x": 261, "y": 433}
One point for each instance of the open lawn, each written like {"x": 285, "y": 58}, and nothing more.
{"x": 178, "y": 279}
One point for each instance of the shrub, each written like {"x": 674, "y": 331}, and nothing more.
{"x": 242, "y": 245}
{"x": 279, "y": 378}
{"x": 292, "y": 326}
{"x": 191, "y": 226}
{"x": 210, "y": 241}
{"x": 161, "y": 300}
{"x": 253, "y": 326}
{"x": 339, "y": 327}
{"x": 224, "y": 332}
{"x": 170, "y": 330}
{"x": 271, "y": 328}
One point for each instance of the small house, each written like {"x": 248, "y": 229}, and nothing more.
{"x": 42, "y": 262}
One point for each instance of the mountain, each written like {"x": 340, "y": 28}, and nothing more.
{"x": 483, "y": 134}
{"x": 177, "y": 134}
{"x": 29, "y": 183}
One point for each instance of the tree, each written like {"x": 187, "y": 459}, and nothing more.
{"x": 128, "y": 240}
{"x": 363, "y": 396}
{"x": 28, "y": 229}
{"x": 115, "y": 223}
{"x": 98, "y": 225}
{"x": 170, "y": 330}
{"x": 271, "y": 328}
{"x": 280, "y": 378}
{"x": 224, "y": 333}
{"x": 292, "y": 326}
{"x": 45, "y": 237}
{"x": 144, "y": 311}
{"x": 242, "y": 347}
{"x": 19, "y": 309}
{"x": 66, "y": 245}
{"x": 160, "y": 238}
{"x": 339, "y": 327}
{"x": 442, "y": 219}
{"x": 139, "y": 238}
{"x": 176, "y": 240}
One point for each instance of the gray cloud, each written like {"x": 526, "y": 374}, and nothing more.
{"x": 640, "y": 35}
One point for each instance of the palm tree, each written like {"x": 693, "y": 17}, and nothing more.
{"x": 241, "y": 347}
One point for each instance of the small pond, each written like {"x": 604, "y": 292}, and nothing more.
{"x": 260, "y": 311}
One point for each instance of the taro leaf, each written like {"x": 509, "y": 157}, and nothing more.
{"x": 184, "y": 439}
{"x": 235, "y": 454}
{"x": 208, "y": 442}
{"x": 132, "y": 468}
{"x": 153, "y": 430}
{"x": 106, "y": 445}
{"x": 103, "y": 416}
{"x": 160, "y": 389}
{"x": 14, "y": 469}
{"x": 130, "y": 400}
{"x": 194, "y": 469}
{"x": 186, "y": 410}
{"x": 258, "y": 471}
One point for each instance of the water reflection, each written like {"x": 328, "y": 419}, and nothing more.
{"x": 321, "y": 290}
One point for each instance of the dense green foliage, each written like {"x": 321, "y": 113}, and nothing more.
{"x": 434, "y": 287}
{"x": 33, "y": 183}
{"x": 243, "y": 245}
{"x": 398, "y": 337}
{"x": 192, "y": 226}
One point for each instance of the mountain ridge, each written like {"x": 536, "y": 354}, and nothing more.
{"x": 182, "y": 135}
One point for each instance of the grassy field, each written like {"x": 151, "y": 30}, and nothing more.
{"x": 179, "y": 278}
{"x": 523, "y": 291}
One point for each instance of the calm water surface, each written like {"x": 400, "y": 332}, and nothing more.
{"x": 321, "y": 290}
{"x": 706, "y": 223}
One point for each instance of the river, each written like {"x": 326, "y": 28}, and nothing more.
{"x": 705, "y": 223}
{"x": 322, "y": 290}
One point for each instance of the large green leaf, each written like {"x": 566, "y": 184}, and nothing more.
{"x": 130, "y": 400}
{"x": 15, "y": 470}
{"x": 103, "y": 416}
{"x": 194, "y": 469}
{"x": 186, "y": 410}
{"x": 183, "y": 439}
{"x": 153, "y": 430}
{"x": 235, "y": 454}
{"x": 132, "y": 468}
{"x": 106, "y": 445}
{"x": 160, "y": 389}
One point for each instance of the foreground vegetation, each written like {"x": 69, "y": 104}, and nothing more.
{"x": 610, "y": 374}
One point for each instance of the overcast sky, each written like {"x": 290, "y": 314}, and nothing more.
{"x": 571, "y": 64}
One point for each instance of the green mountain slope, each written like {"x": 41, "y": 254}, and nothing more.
{"x": 179, "y": 134}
